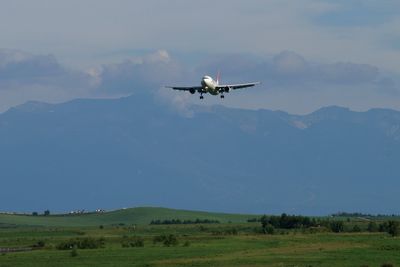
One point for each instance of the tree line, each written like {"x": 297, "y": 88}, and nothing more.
{"x": 284, "y": 221}
{"x": 178, "y": 221}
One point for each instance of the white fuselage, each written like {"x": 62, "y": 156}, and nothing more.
{"x": 209, "y": 85}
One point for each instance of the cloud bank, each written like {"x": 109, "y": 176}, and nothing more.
{"x": 25, "y": 76}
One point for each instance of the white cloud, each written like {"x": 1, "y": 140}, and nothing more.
{"x": 177, "y": 101}
{"x": 285, "y": 76}
{"x": 289, "y": 62}
{"x": 255, "y": 26}
{"x": 24, "y": 77}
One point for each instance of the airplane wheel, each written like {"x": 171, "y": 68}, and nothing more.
{"x": 201, "y": 97}
{"x": 222, "y": 96}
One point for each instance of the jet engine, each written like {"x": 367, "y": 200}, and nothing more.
{"x": 227, "y": 89}
{"x": 192, "y": 91}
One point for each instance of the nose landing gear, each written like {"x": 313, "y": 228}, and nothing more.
{"x": 201, "y": 96}
{"x": 222, "y": 96}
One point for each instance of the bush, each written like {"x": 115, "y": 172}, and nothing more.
{"x": 171, "y": 240}
{"x": 167, "y": 240}
{"x": 393, "y": 228}
{"x": 137, "y": 242}
{"x": 372, "y": 227}
{"x": 73, "y": 252}
{"x": 158, "y": 239}
{"x": 232, "y": 231}
{"x": 125, "y": 244}
{"x": 269, "y": 229}
{"x": 336, "y": 226}
{"x": 387, "y": 265}
{"x": 356, "y": 229}
{"x": 81, "y": 243}
{"x": 39, "y": 244}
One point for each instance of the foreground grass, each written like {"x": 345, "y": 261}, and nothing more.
{"x": 201, "y": 245}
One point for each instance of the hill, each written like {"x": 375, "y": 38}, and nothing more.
{"x": 135, "y": 151}
{"x": 139, "y": 215}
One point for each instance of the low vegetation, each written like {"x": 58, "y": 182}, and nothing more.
{"x": 285, "y": 240}
{"x": 132, "y": 242}
{"x": 178, "y": 221}
{"x": 82, "y": 243}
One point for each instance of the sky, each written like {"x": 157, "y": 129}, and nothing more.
{"x": 307, "y": 53}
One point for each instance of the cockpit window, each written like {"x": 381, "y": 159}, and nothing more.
{"x": 206, "y": 77}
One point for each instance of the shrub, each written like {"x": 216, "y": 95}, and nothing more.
{"x": 39, "y": 244}
{"x": 269, "y": 229}
{"x": 158, "y": 239}
{"x": 167, "y": 240}
{"x": 137, "y": 242}
{"x": 232, "y": 231}
{"x": 171, "y": 240}
{"x": 336, "y": 226}
{"x": 393, "y": 228}
{"x": 356, "y": 228}
{"x": 73, "y": 252}
{"x": 125, "y": 244}
{"x": 81, "y": 243}
{"x": 372, "y": 227}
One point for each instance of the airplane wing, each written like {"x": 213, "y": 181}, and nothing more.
{"x": 237, "y": 86}
{"x": 186, "y": 88}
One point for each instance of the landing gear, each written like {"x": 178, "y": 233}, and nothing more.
{"x": 201, "y": 96}
{"x": 222, "y": 96}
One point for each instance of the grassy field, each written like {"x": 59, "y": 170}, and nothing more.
{"x": 225, "y": 244}
{"x": 142, "y": 215}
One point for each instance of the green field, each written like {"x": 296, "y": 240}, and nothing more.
{"x": 141, "y": 215}
{"x": 233, "y": 242}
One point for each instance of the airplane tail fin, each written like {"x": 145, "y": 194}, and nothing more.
{"x": 218, "y": 76}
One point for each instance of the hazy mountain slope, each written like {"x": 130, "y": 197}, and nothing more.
{"x": 133, "y": 151}
{"x": 140, "y": 215}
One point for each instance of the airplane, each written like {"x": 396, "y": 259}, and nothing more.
{"x": 211, "y": 86}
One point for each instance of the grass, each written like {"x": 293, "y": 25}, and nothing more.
{"x": 199, "y": 245}
{"x": 142, "y": 215}
{"x": 206, "y": 249}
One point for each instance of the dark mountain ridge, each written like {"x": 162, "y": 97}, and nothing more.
{"x": 135, "y": 151}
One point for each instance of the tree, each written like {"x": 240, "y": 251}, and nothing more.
{"x": 46, "y": 213}
{"x": 372, "y": 227}
{"x": 393, "y": 228}
{"x": 269, "y": 229}
{"x": 74, "y": 252}
{"x": 336, "y": 226}
{"x": 356, "y": 228}
{"x": 34, "y": 213}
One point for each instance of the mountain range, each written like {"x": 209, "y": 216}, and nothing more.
{"x": 136, "y": 151}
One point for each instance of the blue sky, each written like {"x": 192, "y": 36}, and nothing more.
{"x": 307, "y": 53}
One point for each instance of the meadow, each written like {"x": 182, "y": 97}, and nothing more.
{"x": 117, "y": 239}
